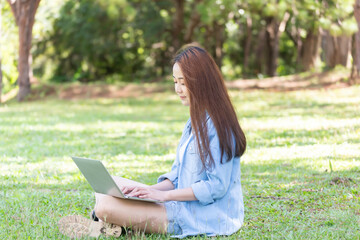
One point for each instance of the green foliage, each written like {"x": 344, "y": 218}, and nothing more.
{"x": 154, "y": 20}
{"x": 121, "y": 40}
{"x": 43, "y": 66}
{"x": 288, "y": 191}
{"x": 8, "y": 47}
{"x": 93, "y": 39}
{"x": 337, "y": 17}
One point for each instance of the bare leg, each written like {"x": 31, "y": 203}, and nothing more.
{"x": 142, "y": 216}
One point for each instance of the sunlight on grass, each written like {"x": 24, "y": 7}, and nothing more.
{"x": 305, "y": 152}
{"x": 300, "y": 173}
{"x": 298, "y": 123}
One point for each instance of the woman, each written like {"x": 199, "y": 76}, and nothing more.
{"x": 202, "y": 193}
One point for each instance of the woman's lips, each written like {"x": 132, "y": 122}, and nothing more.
{"x": 182, "y": 97}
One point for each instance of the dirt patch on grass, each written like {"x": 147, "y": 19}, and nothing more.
{"x": 108, "y": 91}
{"x": 305, "y": 81}
{"x": 325, "y": 80}
{"x": 89, "y": 91}
{"x": 341, "y": 181}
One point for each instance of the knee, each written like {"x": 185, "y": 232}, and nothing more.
{"x": 103, "y": 207}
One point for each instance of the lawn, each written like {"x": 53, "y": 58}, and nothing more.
{"x": 300, "y": 173}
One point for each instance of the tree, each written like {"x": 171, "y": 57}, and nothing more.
{"x": 248, "y": 39}
{"x": 94, "y": 40}
{"x": 193, "y": 22}
{"x": 0, "y": 78}
{"x": 338, "y": 23}
{"x": 178, "y": 24}
{"x": 309, "y": 50}
{"x": 24, "y": 13}
{"x": 0, "y": 60}
{"x": 121, "y": 40}
{"x": 213, "y": 17}
{"x": 355, "y": 72}
{"x": 304, "y": 31}
{"x": 336, "y": 49}
{"x": 274, "y": 28}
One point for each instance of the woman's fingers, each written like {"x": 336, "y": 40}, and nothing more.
{"x": 124, "y": 190}
{"x": 137, "y": 191}
{"x": 148, "y": 193}
{"x": 143, "y": 192}
{"x": 127, "y": 189}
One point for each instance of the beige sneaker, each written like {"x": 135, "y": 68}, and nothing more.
{"x": 78, "y": 226}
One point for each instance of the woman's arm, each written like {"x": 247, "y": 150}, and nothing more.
{"x": 185, "y": 194}
{"x": 165, "y": 185}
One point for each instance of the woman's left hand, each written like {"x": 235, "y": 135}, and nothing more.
{"x": 147, "y": 192}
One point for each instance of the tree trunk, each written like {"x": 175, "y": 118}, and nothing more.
{"x": 295, "y": 37}
{"x": 336, "y": 49}
{"x": 259, "y": 62}
{"x": 178, "y": 24}
{"x": 355, "y": 73}
{"x": 0, "y": 77}
{"x": 24, "y": 12}
{"x": 299, "y": 48}
{"x": 214, "y": 40}
{"x": 1, "y": 82}
{"x": 355, "y": 52}
{"x": 247, "y": 46}
{"x": 272, "y": 43}
{"x": 219, "y": 30}
{"x": 209, "y": 40}
{"x": 310, "y": 50}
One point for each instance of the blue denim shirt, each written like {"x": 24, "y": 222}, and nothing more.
{"x": 219, "y": 209}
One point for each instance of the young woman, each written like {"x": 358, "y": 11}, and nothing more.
{"x": 202, "y": 192}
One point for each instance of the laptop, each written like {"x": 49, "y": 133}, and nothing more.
{"x": 100, "y": 179}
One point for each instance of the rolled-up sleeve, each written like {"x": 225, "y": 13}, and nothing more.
{"x": 172, "y": 175}
{"x": 217, "y": 184}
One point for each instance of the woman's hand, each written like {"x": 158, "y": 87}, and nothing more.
{"x": 185, "y": 194}
{"x": 145, "y": 192}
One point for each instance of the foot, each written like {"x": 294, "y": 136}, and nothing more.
{"x": 93, "y": 216}
{"x": 78, "y": 226}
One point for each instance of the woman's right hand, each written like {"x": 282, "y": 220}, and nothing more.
{"x": 127, "y": 189}
{"x": 145, "y": 192}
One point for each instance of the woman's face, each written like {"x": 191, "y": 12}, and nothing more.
{"x": 180, "y": 87}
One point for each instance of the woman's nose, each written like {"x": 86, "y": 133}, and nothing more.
{"x": 177, "y": 88}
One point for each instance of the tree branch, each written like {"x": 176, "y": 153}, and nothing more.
{"x": 283, "y": 23}
{"x": 33, "y": 7}
{"x": 194, "y": 21}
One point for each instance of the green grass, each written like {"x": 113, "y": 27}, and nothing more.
{"x": 300, "y": 174}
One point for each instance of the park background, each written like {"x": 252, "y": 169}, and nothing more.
{"x": 93, "y": 78}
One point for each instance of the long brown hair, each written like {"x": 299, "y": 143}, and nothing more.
{"x": 207, "y": 94}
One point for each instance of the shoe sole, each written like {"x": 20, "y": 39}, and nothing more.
{"x": 78, "y": 227}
